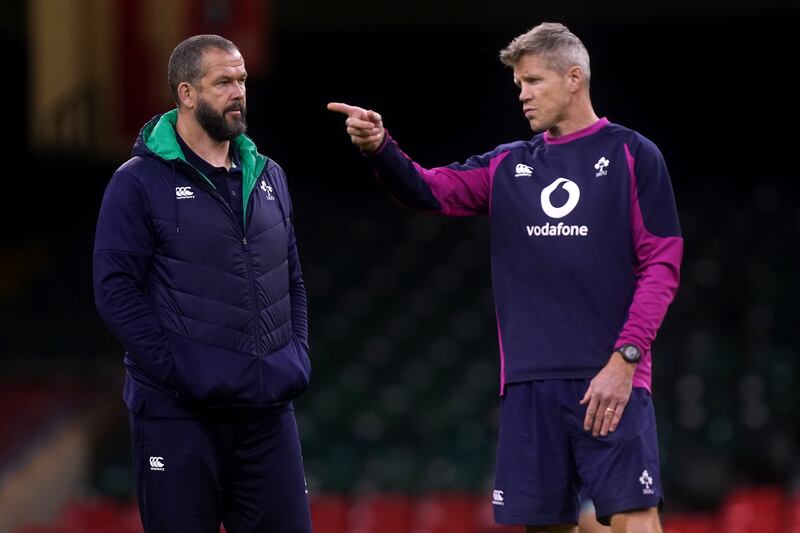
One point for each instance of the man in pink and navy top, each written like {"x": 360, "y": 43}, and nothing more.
{"x": 586, "y": 250}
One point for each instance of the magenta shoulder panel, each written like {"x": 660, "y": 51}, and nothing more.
{"x": 463, "y": 190}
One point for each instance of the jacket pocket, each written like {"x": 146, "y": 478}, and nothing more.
{"x": 213, "y": 376}
{"x": 285, "y": 372}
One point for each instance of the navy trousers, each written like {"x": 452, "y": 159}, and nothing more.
{"x": 243, "y": 471}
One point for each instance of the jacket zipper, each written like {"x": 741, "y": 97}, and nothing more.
{"x": 250, "y": 277}
{"x": 251, "y": 280}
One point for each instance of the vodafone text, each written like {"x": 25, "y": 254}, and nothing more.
{"x": 557, "y": 230}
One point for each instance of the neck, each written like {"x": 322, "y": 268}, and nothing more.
{"x": 215, "y": 152}
{"x": 581, "y": 115}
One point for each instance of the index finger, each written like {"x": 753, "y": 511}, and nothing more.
{"x": 591, "y": 413}
{"x": 349, "y": 110}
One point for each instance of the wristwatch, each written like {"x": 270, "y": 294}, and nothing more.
{"x": 630, "y": 353}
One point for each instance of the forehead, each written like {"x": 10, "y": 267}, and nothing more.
{"x": 217, "y": 62}
{"x": 531, "y": 64}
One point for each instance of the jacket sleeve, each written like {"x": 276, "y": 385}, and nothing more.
{"x": 658, "y": 246}
{"x": 297, "y": 290}
{"x": 123, "y": 251}
{"x": 453, "y": 190}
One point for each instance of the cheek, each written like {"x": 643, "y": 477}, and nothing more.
{"x": 543, "y": 98}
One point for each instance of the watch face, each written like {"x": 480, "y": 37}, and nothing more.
{"x": 630, "y": 353}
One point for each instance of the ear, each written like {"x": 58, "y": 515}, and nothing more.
{"x": 187, "y": 94}
{"x": 575, "y": 77}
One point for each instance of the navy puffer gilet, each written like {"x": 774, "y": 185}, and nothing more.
{"x": 230, "y": 303}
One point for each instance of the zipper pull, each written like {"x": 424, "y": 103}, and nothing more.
{"x": 244, "y": 241}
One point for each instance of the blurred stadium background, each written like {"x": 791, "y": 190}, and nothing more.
{"x": 399, "y": 427}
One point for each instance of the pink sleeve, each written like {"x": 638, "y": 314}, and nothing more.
{"x": 658, "y": 257}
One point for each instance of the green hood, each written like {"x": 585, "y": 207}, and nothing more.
{"x": 159, "y": 136}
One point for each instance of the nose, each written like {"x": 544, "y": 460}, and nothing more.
{"x": 523, "y": 94}
{"x": 239, "y": 90}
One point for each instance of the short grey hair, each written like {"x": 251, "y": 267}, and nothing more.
{"x": 186, "y": 60}
{"x": 554, "y": 43}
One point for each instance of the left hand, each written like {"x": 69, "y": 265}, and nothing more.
{"x": 607, "y": 396}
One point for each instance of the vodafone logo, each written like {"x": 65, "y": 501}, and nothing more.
{"x": 572, "y": 201}
{"x": 560, "y": 229}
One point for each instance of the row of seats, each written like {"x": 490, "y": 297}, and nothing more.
{"x": 745, "y": 510}
{"x": 384, "y": 513}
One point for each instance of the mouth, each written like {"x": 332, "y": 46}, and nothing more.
{"x": 528, "y": 111}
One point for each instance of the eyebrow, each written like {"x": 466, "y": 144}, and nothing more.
{"x": 527, "y": 77}
{"x": 224, "y": 76}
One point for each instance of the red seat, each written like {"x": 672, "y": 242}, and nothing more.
{"x": 754, "y": 510}
{"x": 329, "y": 513}
{"x": 129, "y": 519}
{"x": 92, "y": 516}
{"x": 793, "y": 515}
{"x": 39, "y": 529}
{"x": 691, "y": 523}
{"x": 381, "y": 513}
{"x": 445, "y": 513}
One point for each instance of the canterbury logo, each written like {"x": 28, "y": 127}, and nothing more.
{"x": 182, "y": 193}
{"x": 157, "y": 463}
{"x": 560, "y": 212}
{"x": 522, "y": 170}
{"x": 497, "y": 498}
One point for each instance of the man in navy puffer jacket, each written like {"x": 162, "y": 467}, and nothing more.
{"x": 196, "y": 272}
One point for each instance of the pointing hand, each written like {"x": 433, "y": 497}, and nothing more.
{"x": 364, "y": 126}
